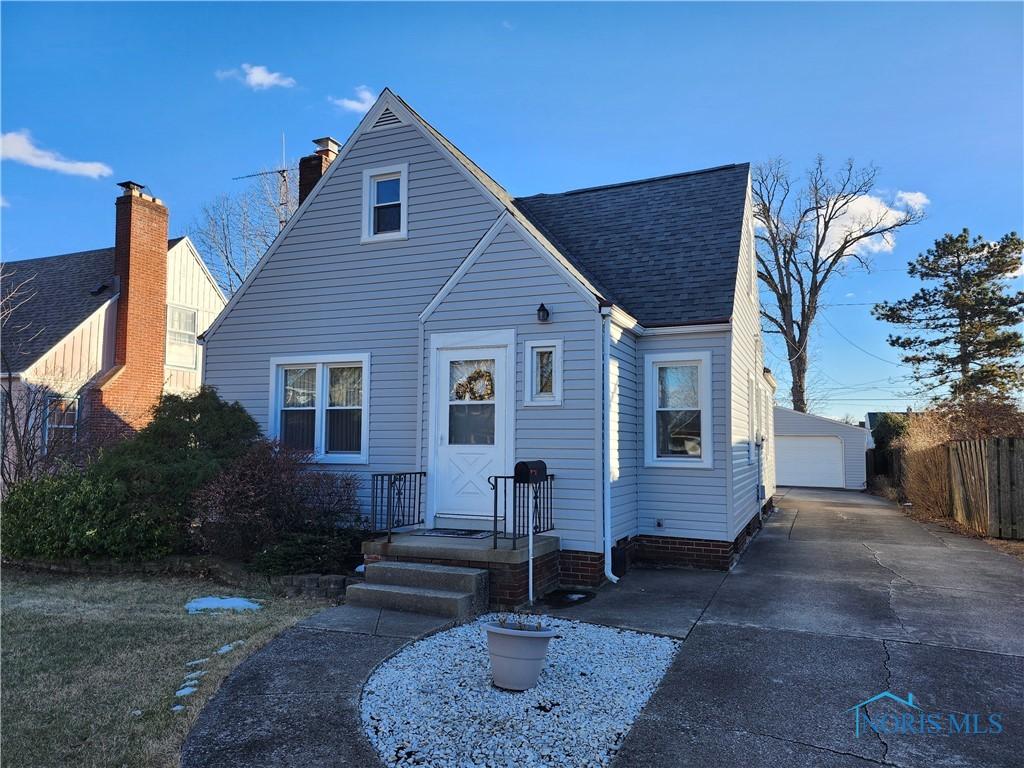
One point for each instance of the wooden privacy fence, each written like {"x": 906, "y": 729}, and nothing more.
{"x": 986, "y": 485}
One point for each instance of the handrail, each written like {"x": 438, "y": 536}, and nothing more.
{"x": 396, "y": 500}
{"x": 541, "y": 495}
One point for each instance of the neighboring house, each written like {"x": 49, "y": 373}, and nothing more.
{"x": 94, "y": 338}
{"x": 413, "y": 315}
{"x": 816, "y": 452}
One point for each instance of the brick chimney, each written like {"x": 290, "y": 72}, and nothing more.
{"x": 127, "y": 395}
{"x": 313, "y": 167}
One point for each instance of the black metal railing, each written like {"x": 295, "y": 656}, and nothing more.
{"x": 396, "y": 500}
{"x": 512, "y": 500}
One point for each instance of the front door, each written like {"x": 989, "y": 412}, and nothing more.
{"x": 470, "y": 400}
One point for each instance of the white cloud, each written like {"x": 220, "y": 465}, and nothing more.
{"x": 508, "y": 25}
{"x": 914, "y": 200}
{"x": 257, "y": 77}
{"x": 361, "y": 103}
{"x": 851, "y": 295}
{"x": 872, "y": 211}
{"x": 19, "y": 147}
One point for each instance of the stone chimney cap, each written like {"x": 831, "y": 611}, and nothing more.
{"x": 328, "y": 143}
{"x": 131, "y": 186}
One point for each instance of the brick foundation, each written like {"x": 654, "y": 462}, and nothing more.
{"x": 696, "y": 553}
{"x": 580, "y": 569}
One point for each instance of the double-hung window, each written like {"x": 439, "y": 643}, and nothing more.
{"x": 385, "y": 203}
{"x": 181, "y": 337}
{"x": 677, "y": 413}
{"x": 320, "y": 406}
{"x": 61, "y": 423}
{"x": 543, "y": 381}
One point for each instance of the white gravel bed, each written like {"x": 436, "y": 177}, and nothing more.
{"x": 433, "y": 703}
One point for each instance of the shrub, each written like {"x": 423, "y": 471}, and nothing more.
{"x": 131, "y": 503}
{"x": 336, "y": 552}
{"x": 265, "y": 495}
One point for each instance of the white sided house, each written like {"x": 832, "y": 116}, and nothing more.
{"x": 816, "y": 452}
{"x": 95, "y": 337}
{"x": 418, "y": 326}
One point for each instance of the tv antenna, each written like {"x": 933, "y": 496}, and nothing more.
{"x": 282, "y": 185}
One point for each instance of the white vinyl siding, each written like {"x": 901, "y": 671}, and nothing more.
{"x": 324, "y": 292}
{"x": 691, "y": 502}
{"x": 501, "y": 290}
{"x": 625, "y": 432}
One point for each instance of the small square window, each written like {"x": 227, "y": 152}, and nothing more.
{"x": 543, "y": 373}
{"x": 384, "y": 202}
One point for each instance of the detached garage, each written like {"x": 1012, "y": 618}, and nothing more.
{"x": 816, "y": 452}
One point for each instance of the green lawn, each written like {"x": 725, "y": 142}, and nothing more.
{"x": 90, "y": 665}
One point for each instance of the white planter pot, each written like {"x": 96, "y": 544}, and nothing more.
{"x": 517, "y": 655}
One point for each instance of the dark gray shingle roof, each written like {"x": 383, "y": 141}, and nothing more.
{"x": 666, "y": 249}
{"x": 59, "y": 291}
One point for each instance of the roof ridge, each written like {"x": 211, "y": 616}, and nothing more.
{"x": 635, "y": 181}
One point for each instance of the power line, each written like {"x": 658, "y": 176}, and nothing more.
{"x": 856, "y": 345}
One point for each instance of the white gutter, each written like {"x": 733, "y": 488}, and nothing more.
{"x": 606, "y": 464}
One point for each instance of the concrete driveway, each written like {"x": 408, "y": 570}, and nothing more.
{"x": 839, "y": 598}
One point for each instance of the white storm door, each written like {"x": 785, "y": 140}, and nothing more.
{"x": 470, "y": 396}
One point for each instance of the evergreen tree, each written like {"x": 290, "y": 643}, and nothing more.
{"x": 963, "y": 318}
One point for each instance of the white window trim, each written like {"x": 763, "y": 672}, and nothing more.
{"x": 195, "y": 344}
{"x": 703, "y": 360}
{"x": 529, "y": 397}
{"x": 321, "y": 363}
{"x": 402, "y": 170}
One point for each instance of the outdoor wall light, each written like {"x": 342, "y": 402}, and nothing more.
{"x": 543, "y": 314}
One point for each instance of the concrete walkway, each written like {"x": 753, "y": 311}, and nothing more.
{"x": 295, "y": 702}
{"x": 840, "y": 597}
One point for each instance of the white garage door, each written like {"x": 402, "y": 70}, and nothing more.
{"x": 811, "y": 461}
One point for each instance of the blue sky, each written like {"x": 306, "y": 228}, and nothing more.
{"x": 545, "y": 97}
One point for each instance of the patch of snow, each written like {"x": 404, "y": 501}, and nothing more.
{"x": 136, "y": 713}
{"x": 576, "y": 596}
{"x": 194, "y": 676}
{"x": 229, "y": 647}
{"x": 178, "y": 708}
{"x": 212, "y": 603}
{"x": 361, "y": 568}
{"x": 188, "y": 690}
{"x": 195, "y": 662}
{"x": 417, "y": 712}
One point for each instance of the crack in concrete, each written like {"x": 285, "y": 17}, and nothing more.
{"x": 888, "y": 686}
{"x": 792, "y": 525}
{"x": 789, "y": 740}
{"x": 896, "y": 576}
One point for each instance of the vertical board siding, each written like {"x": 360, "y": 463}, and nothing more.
{"x": 324, "y": 292}
{"x": 691, "y": 502}
{"x": 502, "y": 290}
{"x": 189, "y": 285}
{"x": 627, "y": 452}
{"x": 789, "y": 422}
{"x": 747, "y": 362}
{"x": 80, "y": 355}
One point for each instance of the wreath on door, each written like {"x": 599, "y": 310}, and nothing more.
{"x": 479, "y": 385}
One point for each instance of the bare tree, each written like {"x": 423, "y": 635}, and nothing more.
{"x": 234, "y": 230}
{"x": 809, "y": 234}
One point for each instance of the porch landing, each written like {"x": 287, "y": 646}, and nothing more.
{"x": 454, "y": 548}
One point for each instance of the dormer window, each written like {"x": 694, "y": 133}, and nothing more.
{"x": 385, "y": 208}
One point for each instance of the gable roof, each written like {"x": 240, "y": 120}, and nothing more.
{"x": 59, "y": 296}
{"x": 664, "y": 249}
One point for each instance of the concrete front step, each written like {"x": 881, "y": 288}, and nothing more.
{"x": 439, "y": 602}
{"x": 451, "y": 578}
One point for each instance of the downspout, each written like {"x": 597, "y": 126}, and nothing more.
{"x": 606, "y": 439}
